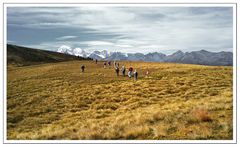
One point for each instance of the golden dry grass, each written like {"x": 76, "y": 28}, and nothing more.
{"x": 176, "y": 101}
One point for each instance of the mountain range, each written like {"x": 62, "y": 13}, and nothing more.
{"x": 201, "y": 57}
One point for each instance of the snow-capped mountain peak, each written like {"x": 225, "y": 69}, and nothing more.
{"x": 76, "y": 51}
{"x": 65, "y": 49}
{"x": 99, "y": 54}
{"x": 79, "y": 52}
{"x": 104, "y": 54}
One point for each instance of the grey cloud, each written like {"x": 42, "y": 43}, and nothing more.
{"x": 130, "y": 27}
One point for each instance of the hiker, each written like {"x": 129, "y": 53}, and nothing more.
{"x": 118, "y": 64}
{"x": 96, "y": 61}
{"x": 135, "y": 75}
{"x": 147, "y": 73}
{"x": 117, "y": 70}
{"x": 130, "y": 70}
{"x": 123, "y": 70}
{"x": 109, "y": 63}
{"x": 82, "y": 67}
{"x": 104, "y": 64}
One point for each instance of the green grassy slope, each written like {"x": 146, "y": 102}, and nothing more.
{"x": 17, "y": 55}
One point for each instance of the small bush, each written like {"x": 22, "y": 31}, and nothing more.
{"x": 158, "y": 116}
{"x": 201, "y": 114}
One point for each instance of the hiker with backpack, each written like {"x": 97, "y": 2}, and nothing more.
{"x": 82, "y": 67}
{"x": 109, "y": 63}
{"x": 130, "y": 70}
{"x": 118, "y": 64}
{"x": 135, "y": 74}
{"x": 147, "y": 73}
{"x": 104, "y": 64}
{"x": 123, "y": 70}
{"x": 117, "y": 70}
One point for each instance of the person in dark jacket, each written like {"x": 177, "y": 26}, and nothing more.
{"x": 123, "y": 70}
{"x": 104, "y": 64}
{"x": 82, "y": 67}
{"x": 135, "y": 75}
{"x": 117, "y": 71}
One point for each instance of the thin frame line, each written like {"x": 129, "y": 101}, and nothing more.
{"x": 3, "y": 75}
{"x": 119, "y": 3}
{"x": 116, "y": 4}
{"x": 236, "y": 73}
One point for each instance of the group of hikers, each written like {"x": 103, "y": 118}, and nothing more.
{"x": 130, "y": 73}
{"x": 123, "y": 69}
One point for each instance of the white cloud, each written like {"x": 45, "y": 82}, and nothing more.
{"x": 123, "y": 45}
{"x": 66, "y": 37}
{"x": 96, "y": 43}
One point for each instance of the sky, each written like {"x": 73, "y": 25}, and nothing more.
{"x": 124, "y": 29}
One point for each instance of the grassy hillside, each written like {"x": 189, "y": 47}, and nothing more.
{"x": 17, "y": 55}
{"x": 176, "y": 101}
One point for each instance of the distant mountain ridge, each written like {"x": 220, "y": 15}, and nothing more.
{"x": 201, "y": 57}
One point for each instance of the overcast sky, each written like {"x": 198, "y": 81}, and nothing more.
{"x": 125, "y": 29}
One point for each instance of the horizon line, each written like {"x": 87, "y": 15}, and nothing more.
{"x": 100, "y": 50}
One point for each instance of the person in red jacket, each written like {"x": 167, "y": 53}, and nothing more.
{"x": 130, "y": 71}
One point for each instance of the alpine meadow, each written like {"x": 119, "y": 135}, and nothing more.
{"x": 175, "y": 101}
{"x": 119, "y": 73}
